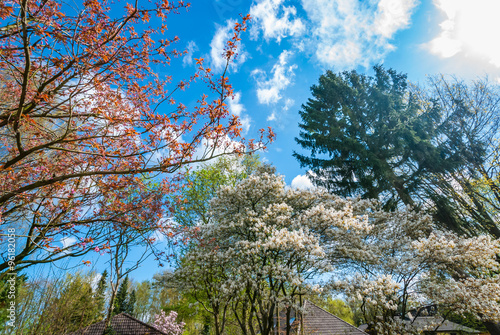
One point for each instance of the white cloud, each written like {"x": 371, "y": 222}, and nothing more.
{"x": 222, "y": 35}
{"x": 237, "y": 108}
{"x": 95, "y": 281}
{"x": 68, "y": 241}
{"x": 392, "y": 16}
{"x": 348, "y": 33}
{"x": 469, "y": 29}
{"x": 191, "y": 49}
{"x": 268, "y": 90}
{"x": 302, "y": 182}
{"x": 274, "y": 20}
{"x": 288, "y": 103}
{"x": 274, "y": 115}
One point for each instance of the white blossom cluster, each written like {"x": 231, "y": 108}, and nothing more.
{"x": 471, "y": 282}
{"x": 382, "y": 291}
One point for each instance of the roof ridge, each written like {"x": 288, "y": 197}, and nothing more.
{"x": 141, "y": 322}
{"x": 307, "y": 301}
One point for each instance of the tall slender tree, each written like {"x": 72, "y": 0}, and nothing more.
{"x": 120, "y": 303}
{"x": 131, "y": 303}
{"x": 467, "y": 198}
{"x": 100, "y": 295}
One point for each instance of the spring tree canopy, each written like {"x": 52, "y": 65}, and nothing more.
{"x": 85, "y": 115}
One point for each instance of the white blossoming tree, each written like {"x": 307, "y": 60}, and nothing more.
{"x": 263, "y": 245}
{"x": 261, "y": 249}
{"x": 403, "y": 261}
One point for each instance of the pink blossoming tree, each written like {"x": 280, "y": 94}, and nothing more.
{"x": 166, "y": 323}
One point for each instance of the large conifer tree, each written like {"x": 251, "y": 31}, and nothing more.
{"x": 368, "y": 136}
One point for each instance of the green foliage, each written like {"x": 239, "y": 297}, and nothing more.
{"x": 152, "y": 296}
{"x": 341, "y": 309}
{"x": 195, "y": 317}
{"x": 201, "y": 185}
{"x": 131, "y": 303}
{"x": 7, "y": 295}
{"x": 57, "y": 306}
{"x": 143, "y": 302}
{"x": 74, "y": 308}
{"x": 121, "y": 299}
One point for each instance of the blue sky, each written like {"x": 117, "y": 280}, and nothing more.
{"x": 289, "y": 44}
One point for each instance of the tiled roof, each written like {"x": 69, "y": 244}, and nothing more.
{"x": 123, "y": 324}
{"x": 445, "y": 326}
{"x": 317, "y": 321}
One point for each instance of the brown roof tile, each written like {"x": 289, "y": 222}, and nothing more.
{"x": 317, "y": 321}
{"x": 123, "y": 324}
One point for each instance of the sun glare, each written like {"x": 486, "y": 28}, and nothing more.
{"x": 469, "y": 28}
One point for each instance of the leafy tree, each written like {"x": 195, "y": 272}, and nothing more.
{"x": 171, "y": 297}
{"x": 191, "y": 209}
{"x": 87, "y": 115}
{"x": 202, "y": 184}
{"x": 143, "y": 304}
{"x": 57, "y": 306}
{"x": 369, "y": 136}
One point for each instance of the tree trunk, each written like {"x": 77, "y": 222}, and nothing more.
{"x": 301, "y": 318}
{"x": 216, "y": 324}
{"x": 288, "y": 326}
{"x": 111, "y": 307}
{"x": 278, "y": 324}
